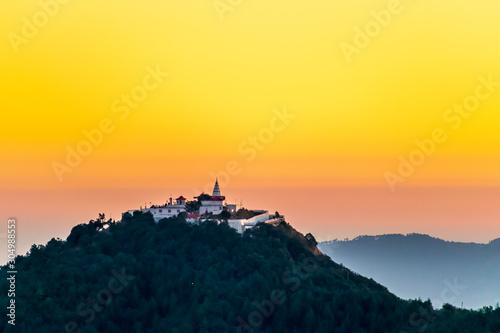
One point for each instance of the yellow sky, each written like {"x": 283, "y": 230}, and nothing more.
{"x": 350, "y": 117}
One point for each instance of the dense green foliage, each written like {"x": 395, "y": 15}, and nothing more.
{"x": 141, "y": 276}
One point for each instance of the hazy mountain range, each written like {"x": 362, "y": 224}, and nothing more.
{"x": 418, "y": 265}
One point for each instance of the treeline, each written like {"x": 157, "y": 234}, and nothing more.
{"x": 140, "y": 276}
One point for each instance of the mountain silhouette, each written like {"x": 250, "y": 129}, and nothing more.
{"x": 137, "y": 275}
{"x": 416, "y": 265}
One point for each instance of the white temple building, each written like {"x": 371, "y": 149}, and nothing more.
{"x": 170, "y": 209}
{"x": 214, "y": 205}
{"x": 211, "y": 206}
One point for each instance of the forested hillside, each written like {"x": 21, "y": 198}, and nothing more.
{"x": 140, "y": 276}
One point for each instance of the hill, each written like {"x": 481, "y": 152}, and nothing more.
{"x": 140, "y": 276}
{"x": 418, "y": 265}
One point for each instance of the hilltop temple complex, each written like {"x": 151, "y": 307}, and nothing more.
{"x": 211, "y": 207}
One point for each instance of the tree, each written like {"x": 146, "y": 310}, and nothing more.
{"x": 225, "y": 214}
{"x": 310, "y": 238}
{"x": 204, "y": 197}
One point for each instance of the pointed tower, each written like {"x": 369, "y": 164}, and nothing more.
{"x": 214, "y": 204}
{"x": 216, "y": 192}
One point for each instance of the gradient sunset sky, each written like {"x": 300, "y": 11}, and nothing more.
{"x": 232, "y": 66}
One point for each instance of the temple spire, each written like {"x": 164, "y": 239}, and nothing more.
{"x": 216, "y": 192}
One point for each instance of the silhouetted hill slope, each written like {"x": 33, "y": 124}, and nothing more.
{"x": 139, "y": 276}
{"x": 417, "y": 265}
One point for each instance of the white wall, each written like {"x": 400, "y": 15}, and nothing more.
{"x": 164, "y": 212}
{"x": 244, "y": 224}
{"x": 214, "y": 207}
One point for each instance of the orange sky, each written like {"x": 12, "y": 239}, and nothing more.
{"x": 167, "y": 94}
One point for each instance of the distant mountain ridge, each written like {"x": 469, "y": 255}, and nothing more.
{"x": 418, "y": 265}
